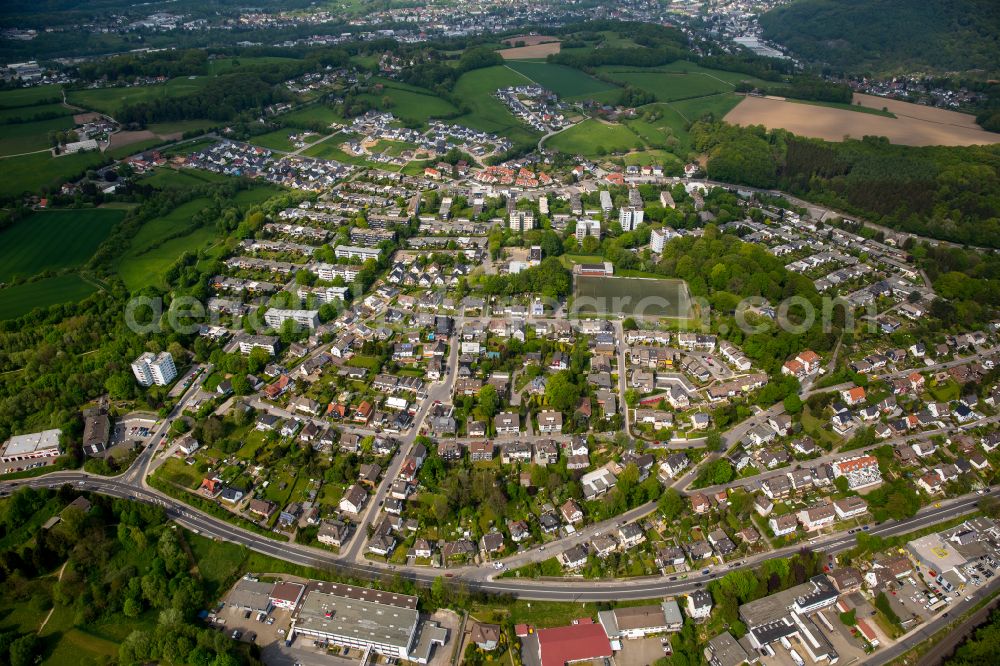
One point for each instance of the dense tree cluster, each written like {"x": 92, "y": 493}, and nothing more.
{"x": 886, "y": 37}
{"x": 952, "y": 193}
{"x": 550, "y": 278}
{"x": 121, "y": 558}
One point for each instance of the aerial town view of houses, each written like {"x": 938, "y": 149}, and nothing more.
{"x": 418, "y": 333}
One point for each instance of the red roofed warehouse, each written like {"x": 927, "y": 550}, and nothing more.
{"x": 577, "y": 642}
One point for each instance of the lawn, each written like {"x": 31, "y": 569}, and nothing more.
{"x": 594, "y": 137}
{"x": 23, "y": 298}
{"x": 560, "y": 79}
{"x": 486, "y": 112}
{"x": 52, "y": 240}
{"x": 277, "y": 140}
{"x": 180, "y": 473}
{"x": 32, "y": 173}
{"x": 29, "y": 137}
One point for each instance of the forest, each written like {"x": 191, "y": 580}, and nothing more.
{"x": 950, "y": 193}
{"x": 885, "y": 37}
{"x": 123, "y": 563}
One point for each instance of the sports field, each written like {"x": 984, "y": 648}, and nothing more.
{"x": 644, "y": 297}
{"x": 560, "y": 79}
{"x": 23, "y": 298}
{"x": 52, "y": 240}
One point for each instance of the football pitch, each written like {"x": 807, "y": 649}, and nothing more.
{"x": 642, "y": 297}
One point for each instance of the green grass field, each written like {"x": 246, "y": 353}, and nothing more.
{"x": 36, "y": 112}
{"x": 411, "y": 104}
{"x": 560, "y": 79}
{"x": 10, "y": 99}
{"x": 110, "y": 100}
{"x": 32, "y": 173}
{"x": 23, "y": 298}
{"x": 593, "y": 137}
{"x": 180, "y": 126}
{"x": 180, "y": 178}
{"x": 278, "y": 140}
{"x": 316, "y": 113}
{"x": 29, "y": 137}
{"x": 670, "y": 86}
{"x": 487, "y": 113}
{"x": 52, "y": 240}
{"x": 160, "y": 241}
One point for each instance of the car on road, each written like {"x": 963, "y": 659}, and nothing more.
{"x": 705, "y": 572}
{"x": 866, "y": 528}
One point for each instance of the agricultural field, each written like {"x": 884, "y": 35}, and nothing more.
{"x": 310, "y": 115}
{"x": 37, "y": 112}
{"x": 921, "y": 128}
{"x": 10, "y": 99}
{"x": 160, "y": 241}
{"x": 530, "y": 52}
{"x": 594, "y": 137}
{"x": 31, "y": 137}
{"x": 486, "y": 112}
{"x": 631, "y": 296}
{"x": 411, "y": 104}
{"x": 669, "y": 86}
{"x": 23, "y": 298}
{"x": 564, "y": 81}
{"x": 166, "y": 178}
{"x": 32, "y": 173}
{"x": 229, "y": 65}
{"x": 279, "y": 139}
{"x": 53, "y": 240}
{"x": 110, "y": 100}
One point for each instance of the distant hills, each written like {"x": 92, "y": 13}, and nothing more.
{"x": 890, "y": 36}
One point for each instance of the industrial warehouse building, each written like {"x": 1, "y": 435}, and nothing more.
{"x": 384, "y": 622}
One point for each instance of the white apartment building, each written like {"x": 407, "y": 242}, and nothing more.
{"x": 630, "y": 218}
{"x": 275, "y": 317}
{"x": 152, "y": 368}
{"x": 586, "y": 228}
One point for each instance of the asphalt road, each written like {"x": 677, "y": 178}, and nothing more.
{"x": 477, "y": 578}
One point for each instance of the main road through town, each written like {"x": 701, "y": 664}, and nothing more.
{"x": 477, "y": 578}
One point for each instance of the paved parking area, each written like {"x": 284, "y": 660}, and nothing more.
{"x": 253, "y": 629}
{"x": 640, "y": 651}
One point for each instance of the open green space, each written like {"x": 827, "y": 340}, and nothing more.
{"x": 23, "y": 298}
{"x": 110, "y": 100}
{"x": 411, "y": 104}
{"x": 180, "y": 126}
{"x": 52, "y": 240}
{"x": 29, "y": 96}
{"x": 279, "y": 139}
{"x": 131, "y": 149}
{"x": 29, "y": 137}
{"x": 32, "y": 173}
{"x": 486, "y": 112}
{"x": 310, "y": 115}
{"x": 227, "y": 65}
{"x": 595, "y": 137}
{"x": 560, "y": 79}
{"x": 669, "y": 86}
{"x": 22, "y": 113}
{"x": 632, "y": 296}
{"x": 166, "y": 178}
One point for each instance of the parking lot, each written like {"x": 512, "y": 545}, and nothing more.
{"x": 641, "y": 651}
{"x": 253, "y": 626}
